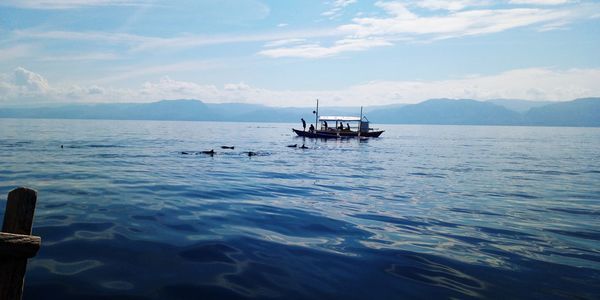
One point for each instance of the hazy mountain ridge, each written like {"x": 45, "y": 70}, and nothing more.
{"x": 520, "y": 106}
{"x": 579, "y": 112}
{"x": 449, "y": 112}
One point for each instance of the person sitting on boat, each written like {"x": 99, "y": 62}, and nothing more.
{"x": 341, "y": 127}
{"x": 303, "y": 124}
{"x": 348, "y": 126}
{"x": 325, "y": 124}
{"x": 311, "y": 129}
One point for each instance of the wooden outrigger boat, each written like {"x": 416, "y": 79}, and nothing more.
{"x": 333, "y": 127}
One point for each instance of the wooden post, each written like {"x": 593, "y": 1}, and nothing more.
{"x": 16, "y": 242}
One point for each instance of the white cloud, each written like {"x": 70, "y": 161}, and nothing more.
{"x": 139, "y": 43}
{"x": 402, "y": 24}
{"x": 540, "y": 2}
{"x": 191, "y": 41}
{"x": 167, "y": 88}
{"x": 450, "y": 19}
{"x": 451, "y": 5}
{"x": 82, "y": 57}
{"x": 336, "y": 7}
{"x": 68, "y": 4}
{"x": 236, "y": 87}
{"x": 284, "y": 42}
{"x": 529, "y": 84}
{"x": 90, "y": 36}
{"x": 23, "y": 86}
{"x": 318, "y": 51}
{"x": 94, "y": 89}
{"x": 30, "y": 81}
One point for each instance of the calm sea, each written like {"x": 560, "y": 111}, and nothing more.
{"x": 425, "y": 212}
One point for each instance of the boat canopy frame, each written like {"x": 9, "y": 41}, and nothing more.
{"x": 339, "y": 118}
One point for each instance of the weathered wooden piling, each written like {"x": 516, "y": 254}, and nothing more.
{"x": 16, "y": 242}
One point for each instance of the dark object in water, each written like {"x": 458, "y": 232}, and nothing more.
{"x": 250, "y": 153}
{"x": 303, "y": 147}
{"x": 293, "y": 146}
{"x": 211, "y": 152}
{"x": 185, "y": 153}
{"x": 228, "y": 147}
{"x": 61, "y": 146}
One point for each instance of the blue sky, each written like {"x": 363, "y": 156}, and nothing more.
{"x": 288, "y": 53}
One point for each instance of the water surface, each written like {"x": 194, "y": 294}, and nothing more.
{"x": 423, "y": 212}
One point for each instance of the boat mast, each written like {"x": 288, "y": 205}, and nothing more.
{"x": 360, "y": 122}
{"x": 316, "y": 112}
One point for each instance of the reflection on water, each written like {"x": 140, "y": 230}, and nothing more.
{"x": 424, "y": 212}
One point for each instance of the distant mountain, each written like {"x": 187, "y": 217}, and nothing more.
{"x": 233, "y": 110}
{"x": 162, "y": 110}
{"x": 369, "y": 109}
{"x": 520, "y": 106}
{"x": 580, "y": 112}
{"x": 450, "y": 112}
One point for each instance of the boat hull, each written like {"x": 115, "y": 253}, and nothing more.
{"x": 335, "y": 134}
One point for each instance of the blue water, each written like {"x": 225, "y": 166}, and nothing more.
{"x": 424, "y": 212}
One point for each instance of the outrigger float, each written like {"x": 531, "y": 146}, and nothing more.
{"x": 326, "y": 129}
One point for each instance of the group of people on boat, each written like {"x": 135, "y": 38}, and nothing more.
{"x": 311, "y": 129}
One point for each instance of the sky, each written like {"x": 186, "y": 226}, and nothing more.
{"x": 291, "y": 52}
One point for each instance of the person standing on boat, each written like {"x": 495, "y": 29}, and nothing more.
{"x": 303, "y": 124}
{"x": 325, "y": 124}
{"x": 348, "y": 126}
